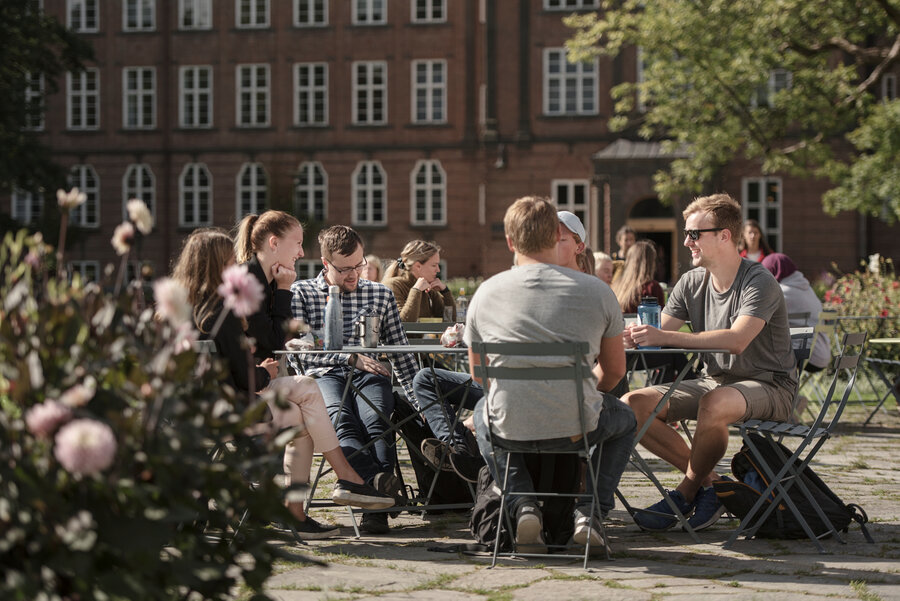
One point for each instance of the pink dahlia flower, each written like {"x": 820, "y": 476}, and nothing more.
{"x": 44, "y": 418}
{"x": 172, "y": 301}
{"x": 85, "y": 446}
{"x": 123, "y": 235}
{"x": 241, "y": 290}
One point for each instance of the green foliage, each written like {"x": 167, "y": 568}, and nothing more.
{"x": 134, "y": 530}
{"x": 33, "y": 43}
{"x": 705, "y": 86}
{"x": 874, "y": 291}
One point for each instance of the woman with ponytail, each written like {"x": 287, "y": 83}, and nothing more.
{"x": 413, "y": 278}
{"x": 270, "y": 244}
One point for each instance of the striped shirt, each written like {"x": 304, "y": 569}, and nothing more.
{"x": 369, "y": 298}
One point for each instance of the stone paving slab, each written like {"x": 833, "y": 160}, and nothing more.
{"x": 859, "y": 464}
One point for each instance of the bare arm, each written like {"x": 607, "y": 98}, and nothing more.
{"x": 610, "y": 367}
{"x": 735, "y": 339}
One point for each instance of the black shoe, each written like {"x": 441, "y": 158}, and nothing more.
{"x": 360, "y": 495}
{"x": 310, "y": 529}
{"x": 466, "y": 466}
{"x": 389, "y": 484}
{"x": 434, "y": 450}
{"x": 375, "y": 523}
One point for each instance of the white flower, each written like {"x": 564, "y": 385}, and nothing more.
{"x": 71, "y": 199}
{"x": 122, "y": 237}
{"x": 85, "y": 446}
{"x": 140, "y": 215}
{"x": 80, "y": 394}
{"x": 875, "y": 263}
{"x": 242, "y": 292}
{"x": 172, "y": 301}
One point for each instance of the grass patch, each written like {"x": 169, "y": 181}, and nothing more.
{"x": 438, "y": 582}
{"x": 862, "y": 591}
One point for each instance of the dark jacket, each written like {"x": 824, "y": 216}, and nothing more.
{"x": 266, "y": 326}
{"x": 229, "y": 342}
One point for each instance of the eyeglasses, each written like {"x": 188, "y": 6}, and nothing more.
{"x": 695, "y": 234}
{"x": 343, "y": 270}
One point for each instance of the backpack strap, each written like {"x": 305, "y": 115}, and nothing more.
{"x": 858, "y": 515}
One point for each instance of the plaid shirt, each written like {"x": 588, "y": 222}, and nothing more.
{"x": 369, "y": 298}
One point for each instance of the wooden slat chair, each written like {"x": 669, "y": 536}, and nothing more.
{"x": 811, "y": 438}
{"x": 577, "y": 371}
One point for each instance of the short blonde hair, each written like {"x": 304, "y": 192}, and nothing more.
{"x": 724, "y": 210}
{"x": 531, "y": 224}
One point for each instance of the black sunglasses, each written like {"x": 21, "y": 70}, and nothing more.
{"x": 695, "y": 234}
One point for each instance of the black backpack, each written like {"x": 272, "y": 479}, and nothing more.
{"x": 561, "y": 473}
{"x": 739, "y": 497}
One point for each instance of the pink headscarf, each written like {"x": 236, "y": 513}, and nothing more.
{"x": 780, "y": 265}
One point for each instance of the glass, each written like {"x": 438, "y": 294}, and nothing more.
{"x": 695, "y": 234}
{"x": 343, "y": 270}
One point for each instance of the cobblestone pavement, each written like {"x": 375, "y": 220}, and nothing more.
{"x": 860, "y": 464}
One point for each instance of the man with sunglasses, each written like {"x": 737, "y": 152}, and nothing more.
{"x": 356, "y": 422}
{"x": 732, "y": 303}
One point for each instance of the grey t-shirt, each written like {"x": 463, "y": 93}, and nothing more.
{"x": 542, "y": 303}
{"x": 754, "y": 292}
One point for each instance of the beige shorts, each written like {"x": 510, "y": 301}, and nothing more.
{"x": 764, "y": 400}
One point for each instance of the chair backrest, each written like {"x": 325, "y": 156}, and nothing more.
{"x": 205, "y": 346}
{"x": 845, "y": 365}
{"x": 799, "y": 316}
{"x": 426, "y": 327}
{"x": 575, "y": 372}
{"x": 802, "y": 341}
{"x": 826, "y": 325}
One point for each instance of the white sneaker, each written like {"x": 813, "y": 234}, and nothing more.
{"x": 529, "y": 529}
{"x": 586, "y": 527}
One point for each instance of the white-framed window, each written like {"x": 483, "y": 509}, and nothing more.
{"x": 311, "y": 191}
{"x": 428, "y": 193}
{"x": 761, "y": 200}
{"x": 311, "y": 94}
{"x": 252, "y": 190}
{"x": 573, "y": 195}
{"x": 139, "y": 15}
{"x": 429, "y": 90}
{"x": 370, "y": 93}
{"x": 27, "y": 207}
{"x": 194, "y": 14}
{"x": 369, "y": 191}
{"x": 83, "y": 99}
{"x": 195, "y": 100}
{"x": 139, "y": 97}
{"x": 34, "y": 102}
{"x": 85, "y": 179}
{"x": 570, "y": 4}
{"x": 310, "y": 13}
{"x": 779, "y": 79}
{"x": 83, "y": 16}
{"x": 88, "y": 270}
{"x": 888, "y": 87}
{"x": 139, "y": 182}
{"x": 369, "y": 12}
{"x": 252, "y": 95}
{"x": 251, "y": 14}
{"x": 195, "y": 196}
{"x": 308, "y": 269}
{"x": 569, "y": 89}
{"x": 429, "y": 11}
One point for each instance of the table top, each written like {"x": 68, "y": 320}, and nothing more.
{"x": 884, "y": 341}
{"x": 391, "y": 349}
{"x": 684, "y": 351}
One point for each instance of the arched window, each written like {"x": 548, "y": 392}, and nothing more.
{"x": 428, "y": 192}
{"x": 252, "y": 189}
{"x": 195, "y": 196}
{"x": 311, "y": 191}
{"x": 369, "y": 194}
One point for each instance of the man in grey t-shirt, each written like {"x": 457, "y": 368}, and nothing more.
{"x": 733, "y": 304}
{"x": 540, "y": 301}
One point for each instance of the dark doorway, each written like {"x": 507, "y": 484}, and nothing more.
{"x": 663, "y": 241}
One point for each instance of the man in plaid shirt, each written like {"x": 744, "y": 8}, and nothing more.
{"x": 356, "y": 423}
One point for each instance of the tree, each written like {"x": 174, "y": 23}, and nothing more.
{"x": 32, "y": 44}
{"x": 794, "y": 84}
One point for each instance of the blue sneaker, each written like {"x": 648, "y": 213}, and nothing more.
{"x": 659, "y": 516}
{"x": 707, "y": 508}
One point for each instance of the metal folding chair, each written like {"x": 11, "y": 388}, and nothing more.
{"x": 575, "y": 371}
{"x": 811, "y": 439}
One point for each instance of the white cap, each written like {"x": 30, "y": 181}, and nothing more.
{"x": 572, "y": 223}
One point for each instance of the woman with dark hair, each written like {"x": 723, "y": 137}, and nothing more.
{"x": 753, "y": 244}
{"x": 413, "y": 278}
{"x": 205, "y": 255}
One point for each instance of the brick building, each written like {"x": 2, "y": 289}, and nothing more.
{"x": 406, "y": 119}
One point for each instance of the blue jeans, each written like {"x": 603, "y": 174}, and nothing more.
{"x": 452, "y": 387}
{"x": 611, "y": 440}
{"x": 357, "y": 424}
